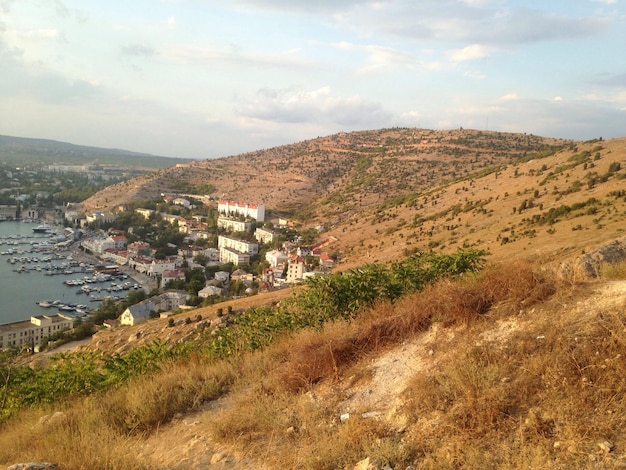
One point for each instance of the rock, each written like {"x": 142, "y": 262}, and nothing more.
{"x": 606, "y": 446}
{"x": 217, "y": 458}
{"x": 367, "y": 464}
{"x": 55, "y": 419}
{"x": 33, "y": 466}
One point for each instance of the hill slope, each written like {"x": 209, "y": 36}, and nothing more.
{"x": 385, "y": 193}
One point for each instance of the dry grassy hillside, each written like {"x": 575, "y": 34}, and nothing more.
{"x": 342, "y": 173}
{"x": 542, "y": 208}
{"x": 385, "y": 193}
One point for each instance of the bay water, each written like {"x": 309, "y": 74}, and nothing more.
{"x": 22, "y": 285}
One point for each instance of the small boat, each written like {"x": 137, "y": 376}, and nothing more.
{"x": 44, "y": 304}
{"x": 43, "y": 228}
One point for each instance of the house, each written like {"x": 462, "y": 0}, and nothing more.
{"x": 241, "y": 275}
{"x": 276, "y": 258}
{"x": 208, "y": 291}
{"x": 146, "y": 213}
{"x": 222, "y": 276}
{"x": 326, "y": 261}
{"x": 295, "y": 271}
{"x": 172, "y": 275}
{"x": 170, "y": 300}
{"x": 137, "y": 313}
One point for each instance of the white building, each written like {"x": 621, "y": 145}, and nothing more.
{"x": 101, "y": 217}
{"x": 263, "y": 235}
{"x": 146, "y": 213}
{"x": 237, "y": 245}
{"x": 295, "y": 272}
{"x": 276, "y": 258}
{"x": 31, "y": 332}
{"x": 255, "y": 211}
{"x": 137, "y": 313}
{"x": 228, "y": 255}
{"x": 233, "y": 225}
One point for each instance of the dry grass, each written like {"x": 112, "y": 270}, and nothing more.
{"x": 613, "y": 271}
{"x": 550, "y": 394}
{"x": 544, "y": 397}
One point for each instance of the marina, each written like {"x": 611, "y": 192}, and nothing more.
{"x": 38, "y": 274}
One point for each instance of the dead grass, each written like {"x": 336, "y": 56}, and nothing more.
{"x": 543, "y": 397}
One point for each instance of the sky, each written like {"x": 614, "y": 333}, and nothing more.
{"x": 209, "y": 78}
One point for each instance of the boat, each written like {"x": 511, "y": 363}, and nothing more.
{"x": 43, "y": 228}
{"x": 44, "y": 304}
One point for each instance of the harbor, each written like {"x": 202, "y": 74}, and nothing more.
{"x": 43, "y": 273}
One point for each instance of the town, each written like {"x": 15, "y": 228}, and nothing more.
{"x": 191, "y": 250}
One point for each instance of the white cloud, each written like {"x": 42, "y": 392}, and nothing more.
{"x": 386, "y": 59}
{"x": 312, "y": 106}
{"x": 509, "y": 97}
{"x": 473, "y": 52}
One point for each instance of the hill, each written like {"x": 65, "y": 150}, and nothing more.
{"x": 385, "y": 193}
{"x": 20, "y": 150}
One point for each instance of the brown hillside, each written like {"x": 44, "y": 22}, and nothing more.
{"x": 385, "y": 193}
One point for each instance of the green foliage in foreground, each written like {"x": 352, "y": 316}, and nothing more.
{"x": 328, "y": 298}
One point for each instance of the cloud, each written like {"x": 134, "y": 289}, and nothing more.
{"x": 509, "y": 97}
{"x": 492, "y": 24}
{"x": 473, "y": 52}
{"x": 386, "y": 59}
{"x": 312, "y": 106}
{"x": 209, "y": 55}
{"x": 317, "y": 6}
{"x": 138, "y": 50}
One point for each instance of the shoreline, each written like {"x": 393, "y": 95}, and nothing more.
{"x": 147, "y": 283}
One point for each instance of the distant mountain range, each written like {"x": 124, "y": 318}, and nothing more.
{"x": 20, "y": 150}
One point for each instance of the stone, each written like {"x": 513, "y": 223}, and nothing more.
{"x": 367, "y": 464}
{"x": 606, "y": 446}
{"x": 33, "y": 466}
{"x": 217, "y": 458}
{"x": 54, "y": 419}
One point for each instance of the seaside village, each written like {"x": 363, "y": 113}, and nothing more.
{"x": 225, "y": 254}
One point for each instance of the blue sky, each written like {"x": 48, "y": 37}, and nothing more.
{"x": 206, "y": 79}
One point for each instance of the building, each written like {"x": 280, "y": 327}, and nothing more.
{"x": 276, "y": 258}
{"x": 254, "y": 211}
{"x": 146, "y": 213}
{"x": 208, "y": 291}
{"x": 233, "y": 225}
{"x": 237, "y": 245}
{"x": 137, "y": 313}
{"x": 295, "y": 272}
{"x": 31, "y": 332}
{"x": 172, "y": 275}
{"x": 263, "y": 235}
{"x": 228, "y": 255}
{"x": 101, "y": 218}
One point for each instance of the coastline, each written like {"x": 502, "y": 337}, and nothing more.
{"x": 148, "y": 283}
